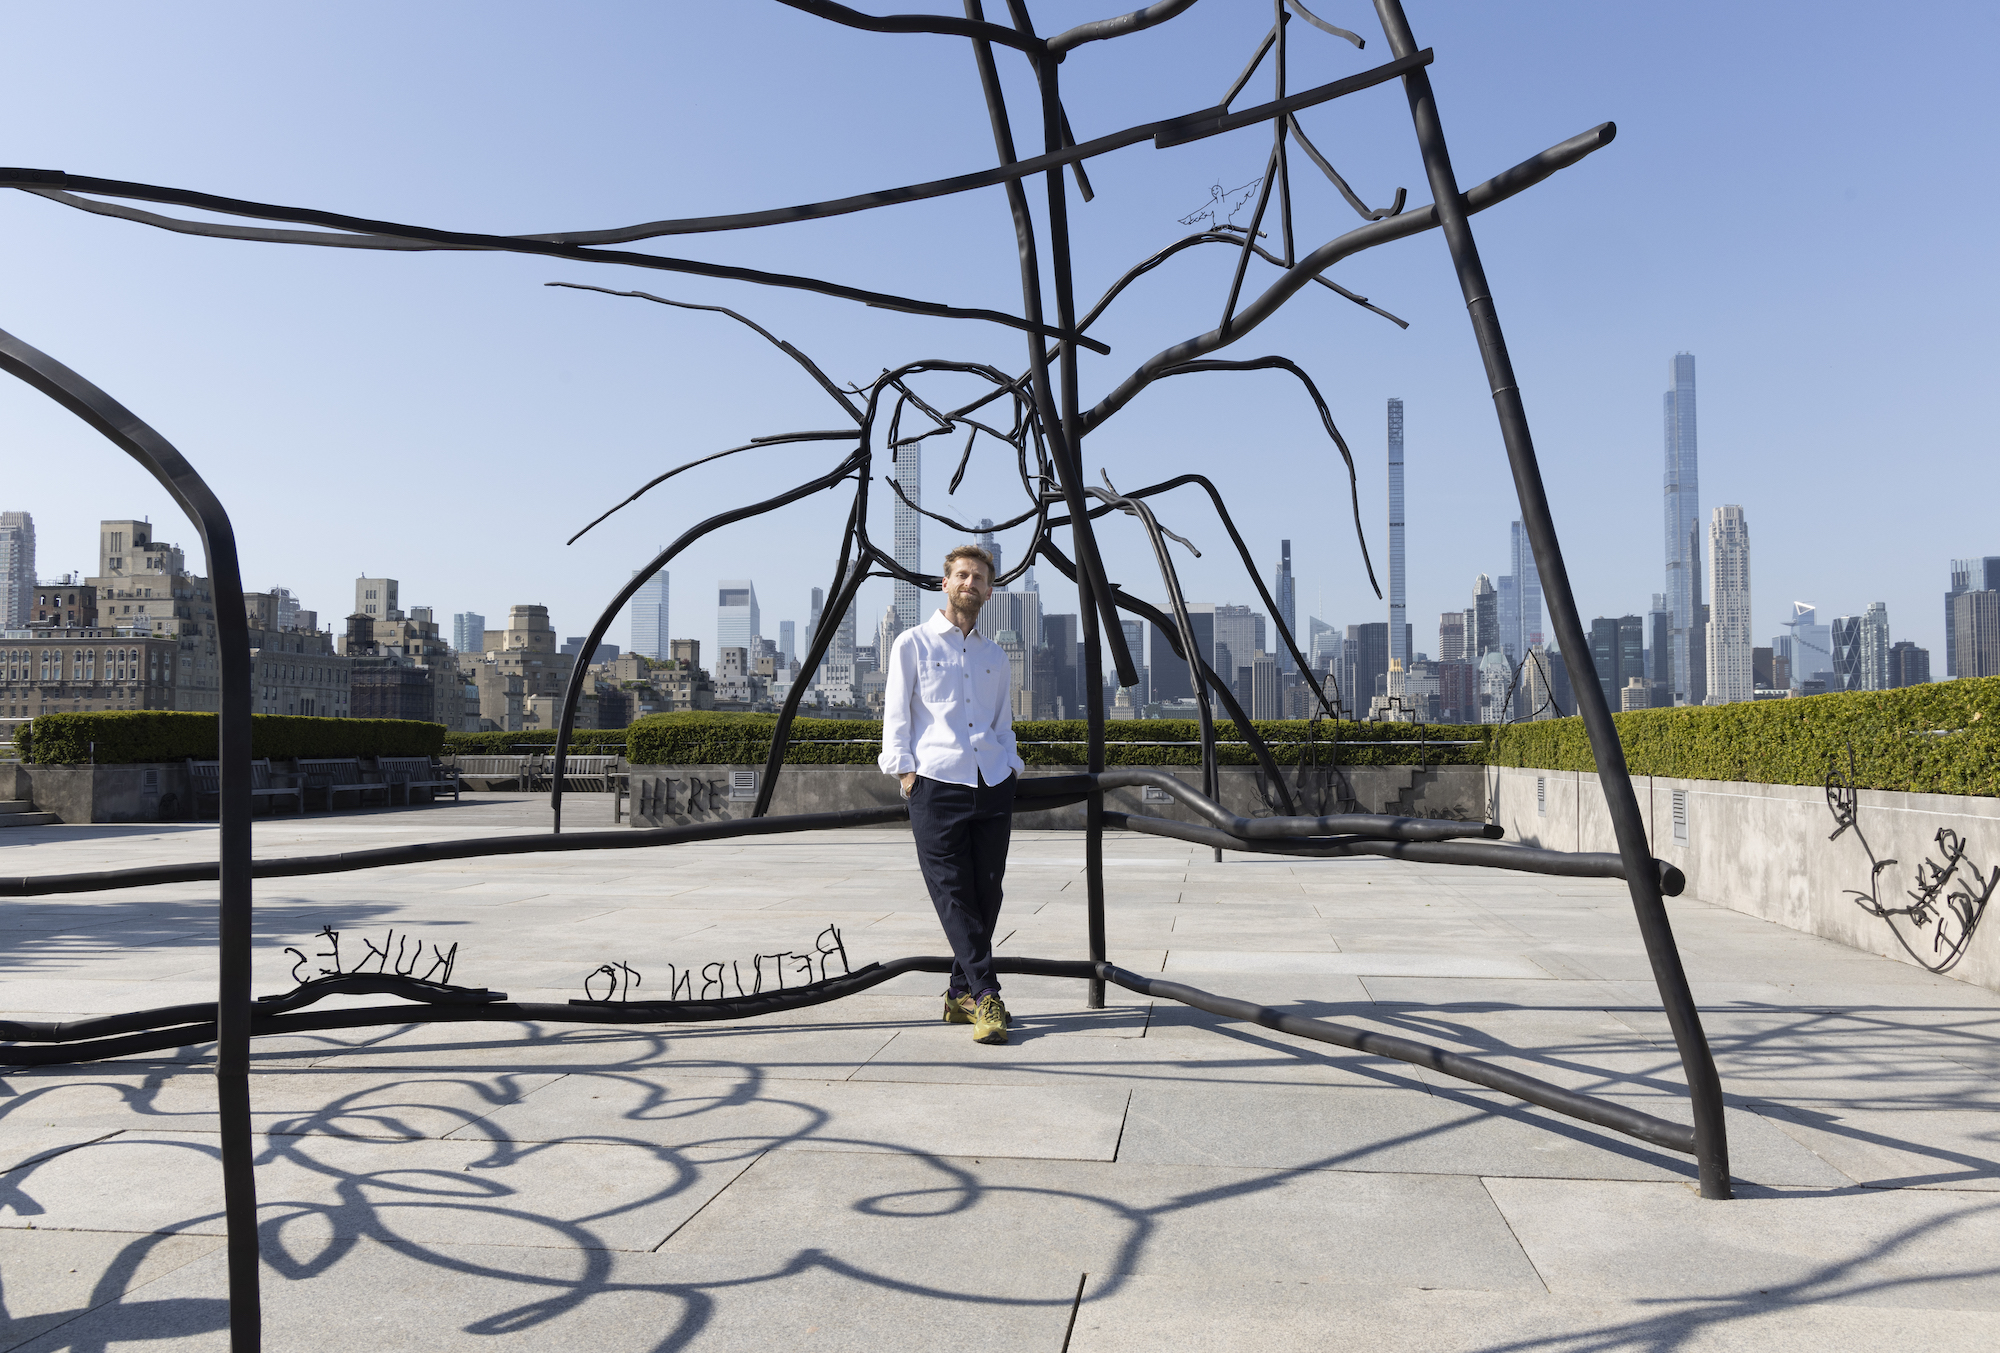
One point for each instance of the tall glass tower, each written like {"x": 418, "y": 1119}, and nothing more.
{"x": 649, "y": 617}
{"x": 1683, "y": 520}
{"x": 909, "y": 599}
{"x": 17, "y": 569}
{"x": 1399, "y": 644}
{"x": 1286, "y": 595}
{"x": 736, "y": 619}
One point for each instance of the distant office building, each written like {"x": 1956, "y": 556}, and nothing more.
{"x": 909, "y": 599}
{"x": 17, "y": 568}
{"x": 788, "y": 635}
{"x": 573, "y": 646}
{"x": 1451, "y": 637}
{"x": 1975, "y": 619}
{"x": 1364, "y": 667}
{"x": 1617, "y": 651}
{"x": 1527, "y": 591}
{"x": 887, "y": 628}
{"x": 986, "y": 542}
{"x": 1729, "y": 642}
{"x": 1846, "y": 633}
{"x": 1507, "y": 606}
{"x": 1908, "y": 665}
{"x": 1683, "y": 525}
{"x": 1485, "y": 618}
{"x": 1322, "y": 644}
{"x": 1285, "y": 593}
{"x": 1398, "y": 610}
{"x": 1544, "y": 688}
{"x": 1243, "y": 630}
{"x": 1264, "y": 703}
{"x": 1496, "y": 683}
{"x": 1967, "y": 575}
{"x": 468, "y": 632}
{"x": 1458, "y": 691}
{"x": 1135, "y": 643}
{"x": 1171, "y": 677}
{"x": 376, "y": 598}
{"x": 736, "y": 617}
{"x": 1014, "y": 610}
{"x": 1811, "y": 647}
{"x": 649, "y": 616}
{"x": 1660, "y": 643}
{"x": 1872, "y": 657}
{"x": 1062, "y": 640}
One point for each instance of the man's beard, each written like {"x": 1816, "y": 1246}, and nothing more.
{"x": 966, "y": 603}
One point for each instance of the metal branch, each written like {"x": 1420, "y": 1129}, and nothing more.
{"x": 754, "y": 445}
{"x": 1323, "y": 25}
{"x": 1098, "y": 30}
{"x": 1367, "y": 212}
{"x": 1490, "y": 193}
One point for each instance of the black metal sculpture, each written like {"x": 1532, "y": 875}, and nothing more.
{"x": 1043, "y": 423}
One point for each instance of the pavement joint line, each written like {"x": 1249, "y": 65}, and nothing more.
{"x": 1124, "y": 1117}
{"x": 1508, "y": 1222}
{"x": 727, "y": 1185}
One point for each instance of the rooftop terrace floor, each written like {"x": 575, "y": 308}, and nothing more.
{"x": 861, "y": 1176}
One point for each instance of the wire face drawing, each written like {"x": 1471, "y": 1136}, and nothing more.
{"x": 1035, "y": 416}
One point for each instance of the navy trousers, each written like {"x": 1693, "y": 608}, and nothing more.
{"x": 962, "y": 833}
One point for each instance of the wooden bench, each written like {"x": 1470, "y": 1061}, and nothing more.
{"x": 407, "y": 773}
{"x": 205, "y": 782}
{"x": 586, "y": 772}
{"x": 489, "y": 770}
{"x": 337, "y": 776}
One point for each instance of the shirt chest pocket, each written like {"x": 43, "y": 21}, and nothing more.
{"x": 939, "y": 681}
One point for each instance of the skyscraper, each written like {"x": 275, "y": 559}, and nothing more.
{"x": 1976, "y": 622}
{"x": 1683, "y": 520}
{"x": 17, "y": 568}
{"x": 1846, "y": 653}
{"x": 1908, "y": 664}
{"x": 1729, "y": 643}
{"x": 1399, "y": 649}
{"x": 1485, "y": 618}
{"x": 649, "y": 617}
{"x": 1967, "y": 575}
{"x": 1660, "y": 642}
{"x": 1364, "y": 668}
{"x": 1811, "y": 646}
{"x": 909, "y": 598}
{"x": 788, "y": 639}
{"x": 736, "y": 620}
{"x": 987, "y": 543}
{"x": 1874, "y": 649}
{"x": 1451, "y": 637}
{"x": 1527, "y": 592}
{"x": 1286, "y": 595}
{"x": 1507, "y": 608}
{"x": 468, "y": 632}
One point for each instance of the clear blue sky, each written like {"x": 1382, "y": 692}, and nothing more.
{"x": 1801, "y": 195}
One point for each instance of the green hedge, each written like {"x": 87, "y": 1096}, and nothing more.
{"x": 1940, "y": 738}
{"x": 500, "y": 744}
{"x": 745, "y": 739}
{"x": 163, "y": 735}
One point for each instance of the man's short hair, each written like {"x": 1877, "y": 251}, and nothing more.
{"x": 970, "y": 552}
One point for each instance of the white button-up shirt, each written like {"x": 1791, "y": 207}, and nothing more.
{"x": 946, "y": 713}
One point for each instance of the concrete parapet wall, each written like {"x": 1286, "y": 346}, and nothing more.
{"x": 148, "y": 792}
{"x": 1437, "y": 791}
{"x": 1771, "y": 851}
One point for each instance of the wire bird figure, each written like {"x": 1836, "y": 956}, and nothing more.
{"x": 1037, "y": 416}
{"x": 1222, "y": 205}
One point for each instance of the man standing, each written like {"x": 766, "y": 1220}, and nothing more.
{"x": 948, "y": 733}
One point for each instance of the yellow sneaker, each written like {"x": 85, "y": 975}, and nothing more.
{"x": 989, "y": 1020}
{"x": 958, "y": 1007}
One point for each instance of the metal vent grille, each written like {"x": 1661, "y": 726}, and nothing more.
{"x": 1541, "y": 796}
{"x": 1681, "y": 815}
{"x": 743, "y": 784}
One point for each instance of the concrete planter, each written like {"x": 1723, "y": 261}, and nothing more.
{"x": 661, "y": 794}
{"x": 1771, "y": 851}
{"x": 147, "y": 792}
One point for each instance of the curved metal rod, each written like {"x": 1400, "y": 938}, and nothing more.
{"x": 55, "y": 178}
{"x": 1325, "y": 418}
{"x": 1495, "y": 190}
{"x": 1383, "y": 825}
{"x": 1100, "y": 29}
{"x": 161, "y": 459}
{"x": 1481, "y": 854}
{"x": 1622, "y": 805}
{"x": 1325, "y": 27}
{"x": 574, "y": 691}
{"x": 811, "y": 367}
{"x": 55, "y": 184}
{"x": 1570, "y": 1103}
{"x": 1032, "y": 47}
{"x": 1366, "y": 212}
{"x": 757, "y": 444}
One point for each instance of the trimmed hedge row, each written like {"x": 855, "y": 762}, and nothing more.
{"x": 1940, "y": 738}
{"x": 699, "y": 738}
{"x": 167, "y": 735}
{"x": 500, "y": 744}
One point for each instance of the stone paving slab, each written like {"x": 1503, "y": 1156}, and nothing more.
{"x": 860, "y": 1175}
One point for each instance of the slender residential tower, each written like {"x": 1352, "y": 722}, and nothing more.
{"x": 1399, "y": 644}
{"x": 1286, "y": 595}
{"x": 1683, "y": 521}
{"x": 908, "y": 598}
{"x": 1730, "y": 677}
{"x": 17, "y": 569}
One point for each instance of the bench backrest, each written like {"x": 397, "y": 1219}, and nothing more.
{"x": 336, "y": 771}
{"x": 589, "y": 765}
{"x": 206, "y": 776}
{"x": 396, "y": 769}
{"x": 490, "y": 765}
